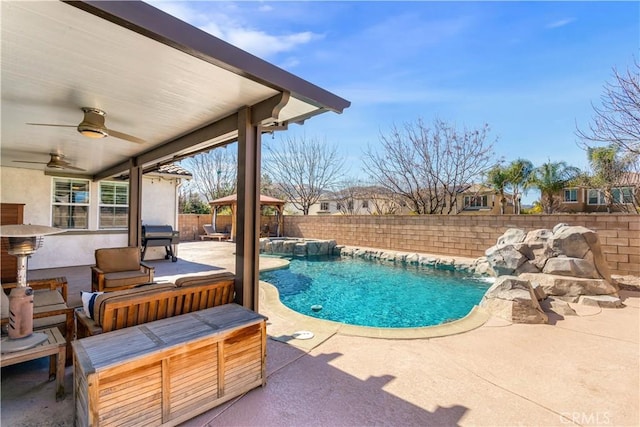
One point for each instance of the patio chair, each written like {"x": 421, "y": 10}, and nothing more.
{"x": 119, "y": 268}
{"x": 211, "y": 234}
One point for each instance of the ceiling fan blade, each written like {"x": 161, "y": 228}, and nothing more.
{"x": 73, "y": 168}
{"x": 27, "y": 161}
{"x": 50, "y": 124}
{"x": 126, "y": 137}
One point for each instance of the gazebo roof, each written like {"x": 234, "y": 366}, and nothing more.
{"x": 233, "y": 199}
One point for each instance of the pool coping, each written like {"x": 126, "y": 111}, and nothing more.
{"x": 271, "y": 298}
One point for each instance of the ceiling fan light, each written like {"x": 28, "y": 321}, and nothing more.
{"x": 92, "y": 131}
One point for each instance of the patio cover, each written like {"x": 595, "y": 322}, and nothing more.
{"x": 159, "y": 79}
{"x": 232, "y": 201}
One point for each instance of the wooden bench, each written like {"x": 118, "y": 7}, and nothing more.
{"x": 122, "y": 309}
{"x": 168, "y": 371}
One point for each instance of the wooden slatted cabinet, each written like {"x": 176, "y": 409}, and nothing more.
{"x": 168, "y": 371}
{"x": 10, "y": 213}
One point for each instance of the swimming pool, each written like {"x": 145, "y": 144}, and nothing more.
{"x": 369, "y": 293}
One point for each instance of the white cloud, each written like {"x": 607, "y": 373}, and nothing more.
{"x": 264, "y": 45}
{"x": 216, "y": 20}
{"x": 560, "y": 23}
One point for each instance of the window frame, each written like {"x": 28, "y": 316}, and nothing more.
{"x": 56, "y": 204}
{"x": 569, "y": 190}
{"x": 470, "y": 201}
{"x": 115, "y": 206}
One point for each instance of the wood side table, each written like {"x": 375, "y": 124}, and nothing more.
{"x": 55, "y": 347}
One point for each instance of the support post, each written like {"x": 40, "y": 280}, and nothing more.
{"x": 247, "y": 227}
{"x": 135, "y": 203}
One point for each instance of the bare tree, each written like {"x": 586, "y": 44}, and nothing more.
{"x": 427, "y": 166}
{"x": 214, "y": 172}
{"x": 352, "y": 197}
{"x": 302, "y": 169}
{"x": 617, "y": 121}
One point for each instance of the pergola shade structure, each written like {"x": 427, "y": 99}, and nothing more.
{"x": 232, "y": 202}
{"x": 178, "y": 89}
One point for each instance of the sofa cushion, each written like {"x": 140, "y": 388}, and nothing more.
{"x": 195, "y": 280}
{"x": 5, "y": 305}
{"x": 111, "y": 260}
{"x": 125, "y": 278}
{"x": 46, "y": 298}
{"x": 88, "y": 302}
{"x": 101, "y": 300}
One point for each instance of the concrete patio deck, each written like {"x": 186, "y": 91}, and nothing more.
{"x": 579, "y": 370}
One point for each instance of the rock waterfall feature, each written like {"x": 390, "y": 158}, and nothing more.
{"x": 559, "y": 266}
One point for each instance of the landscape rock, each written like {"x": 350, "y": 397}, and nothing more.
{"x": 538, "y": 291}
{"x": 512, "y": 235}
{"x": 505, "y": 259}
{"x": 556, "y": 285}
{"x": 577, "y": 267}
{"x": 604, "y": 301}
{"x": 513, "y": 299}
{"x": 557, "y": 306}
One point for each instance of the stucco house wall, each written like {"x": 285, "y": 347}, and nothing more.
{"x": 77, "y": 247}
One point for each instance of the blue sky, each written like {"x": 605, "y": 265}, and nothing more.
{"x": 531, "y": 70}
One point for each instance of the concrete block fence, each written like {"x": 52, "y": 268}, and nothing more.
{"x": 468, "y": 235}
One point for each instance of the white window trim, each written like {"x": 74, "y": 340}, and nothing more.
{"x": 100, "y": 204}
{"x": 564, "y": 195}
{"x": 54, "y": 203}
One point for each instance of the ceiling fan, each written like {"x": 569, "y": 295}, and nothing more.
{"x": 92, "y": 126}
{"x": 57, "y": 161}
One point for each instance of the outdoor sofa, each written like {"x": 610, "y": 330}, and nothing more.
{"x": 105, "y": 312}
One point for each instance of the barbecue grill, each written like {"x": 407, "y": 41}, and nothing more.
{"x": 161, "y": 235}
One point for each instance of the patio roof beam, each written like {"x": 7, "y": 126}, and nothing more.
{"x": 219, "y": 128}
{"x": 265, "y": 110}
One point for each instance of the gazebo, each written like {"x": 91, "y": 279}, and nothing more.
{"x": 232, "y": 201}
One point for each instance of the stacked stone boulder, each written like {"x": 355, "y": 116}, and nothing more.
{"x": 564, "y": 265}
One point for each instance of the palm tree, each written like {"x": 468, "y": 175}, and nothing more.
{"x": 498, "y": 178}
{"x": 518, "y": 173}
{"x": 550, "y": 179}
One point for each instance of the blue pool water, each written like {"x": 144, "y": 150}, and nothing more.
{"x": 367, "y": 293}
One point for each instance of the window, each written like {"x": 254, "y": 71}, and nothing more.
{"x": 570, "y": 195}
{"x": 475, "y": 201}
{"x": 595, "y": 197}
{"x": 70, "y": 203}
{"x": 618, "y": 195}
{"x": 324, "y": 206}
{"x": 350, "y": 205}
{"x": 622, "y": 195}
{"x": 365, "y": 204}
{"x": 339, "y": 206}
{"x": 114, "y": 205}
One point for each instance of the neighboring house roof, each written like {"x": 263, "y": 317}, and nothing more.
{"x": 173, "y": 169}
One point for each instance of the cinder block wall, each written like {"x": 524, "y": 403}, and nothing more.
{"x": 467, "y": 236}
